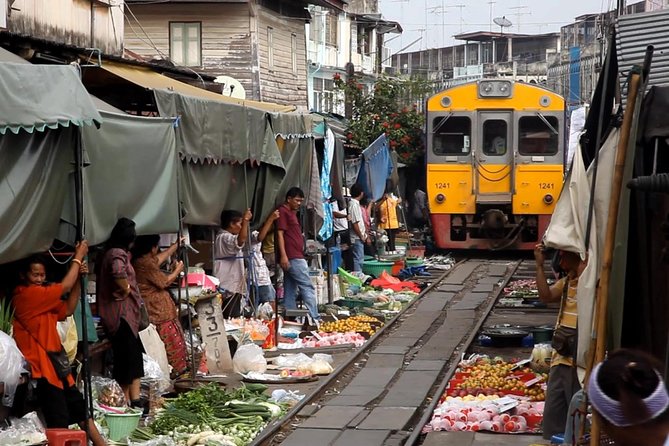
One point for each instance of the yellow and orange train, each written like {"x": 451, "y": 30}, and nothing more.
{"x": 495, "y": 163}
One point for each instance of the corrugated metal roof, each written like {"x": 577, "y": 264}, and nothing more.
{"x": 634, "y": 33}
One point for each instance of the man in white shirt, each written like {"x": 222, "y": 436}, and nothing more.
{"x": 341, "y": 233}
{"x": 359, "y": 236}
{"x": 229, "y": 257}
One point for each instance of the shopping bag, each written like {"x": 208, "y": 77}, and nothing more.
{"x": 155, "y": 348}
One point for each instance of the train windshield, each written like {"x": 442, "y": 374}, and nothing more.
{"x": 494, "y": 137}
{"x": 451, "y": 135}
{"x": 538, "y": 135}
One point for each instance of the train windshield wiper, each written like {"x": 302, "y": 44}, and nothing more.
{"x": 548, "y": 124}
{"x": 442, "y": 122}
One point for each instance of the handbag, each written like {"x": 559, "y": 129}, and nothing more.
{"x": 143, "y": 317}
{"x": 59, "y": 359}
{"x": 564, "y": 340}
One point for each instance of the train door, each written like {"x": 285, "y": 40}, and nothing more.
{"x": 493, "y": 158}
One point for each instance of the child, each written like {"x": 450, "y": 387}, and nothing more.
{"x": 266, "y": 292}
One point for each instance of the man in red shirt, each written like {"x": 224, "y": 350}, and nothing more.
{"x": 291, "y": 255}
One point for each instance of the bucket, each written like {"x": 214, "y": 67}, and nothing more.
{"x": 121, "y": 425}
{"x": 542, "y": 334}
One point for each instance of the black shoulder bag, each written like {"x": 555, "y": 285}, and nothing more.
{"x": 59, "y": 360}
{"x": 565, "y": 338}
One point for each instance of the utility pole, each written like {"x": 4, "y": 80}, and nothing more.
{"x": 492, "y": 6}
{"x": 518, "y": 13}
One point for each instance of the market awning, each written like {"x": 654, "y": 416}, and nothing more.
{"x": 36, "y": 97}
{"x": 8, "y": 56}
{"x": 151, "y": 80}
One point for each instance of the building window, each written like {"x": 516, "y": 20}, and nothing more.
{"x": 331, "y": 29}
{"x": 185, "y": 43}
{"x": 293, "y": 49}
{"x": 324, "y": 95}
{"x": 270, "y": 46}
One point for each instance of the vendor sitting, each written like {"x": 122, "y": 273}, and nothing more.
{"x": 37, "y": 309}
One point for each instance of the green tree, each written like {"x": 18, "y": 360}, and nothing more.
{"x": 390, "y": 108}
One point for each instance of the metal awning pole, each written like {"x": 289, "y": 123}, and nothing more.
{"x": 79, "y": 192}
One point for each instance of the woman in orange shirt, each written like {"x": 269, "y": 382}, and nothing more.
{"x": 37, "y": 309}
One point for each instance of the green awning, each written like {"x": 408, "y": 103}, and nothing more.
{"x": 37, "y": 97}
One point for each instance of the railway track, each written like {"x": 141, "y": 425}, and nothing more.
{"x": 388, "y": 388}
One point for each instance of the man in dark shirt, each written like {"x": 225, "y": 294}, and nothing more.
{"x": 291, "y": 255}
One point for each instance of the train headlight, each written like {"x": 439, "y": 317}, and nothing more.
{"x": 548, "y": 199}
{"x": 495, "y": 89}
{"x": 440, "y": 198}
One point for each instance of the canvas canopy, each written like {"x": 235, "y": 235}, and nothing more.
{"x": 40, "y": 109}
{"x": 36, "y": 97}
{"x": 229, "y": 157}
{"x": 132, "y": 173}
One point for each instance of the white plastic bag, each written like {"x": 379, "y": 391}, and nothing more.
{"x": 11, "y": 367}
{"x": 249, "y": 358}
{"x": 153, "y": 375}
{"x": 67, "y": 330}
{"x": 155, "y": 348}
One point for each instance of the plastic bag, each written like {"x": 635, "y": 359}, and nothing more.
{"x": 265, "y": 312}
{"x": 107, "y": 391}
{"x": 153, "y": 374}
{"x": 23, "y": 431}
{"x": 11, "y": 367}
{"x": 292, "y": 360}
{"x": 162, "y": 440}
{"x": 67, "y": 330}
{"x": 317, "y": 367}
{"x": 249, "y": 358}
{"x": 155, "y": 348}
{"x": 286, "y": 397}
{"x": 540, "y": 361}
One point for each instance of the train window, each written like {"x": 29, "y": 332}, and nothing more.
{"x": 494, "y": 137}
{"x": 536, "y": 136}
{"x": 451, "y": 135}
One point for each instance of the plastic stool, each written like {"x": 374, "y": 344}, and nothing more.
{"x": 65, "y": 437}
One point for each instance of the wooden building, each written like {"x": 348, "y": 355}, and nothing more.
{"x": 75, "y": 23}
{"x": 260, "y": 44}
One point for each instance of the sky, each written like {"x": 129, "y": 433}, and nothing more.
{"x": 424, "y": 20}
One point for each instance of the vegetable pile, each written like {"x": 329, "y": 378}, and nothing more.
{"x": 212, "y": 416}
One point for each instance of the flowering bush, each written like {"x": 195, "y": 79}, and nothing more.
{"x": 390, "y": 108}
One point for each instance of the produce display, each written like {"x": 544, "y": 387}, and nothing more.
{"x": 491, "y": 394}
{"x": 525, "y": 288}
{"x": 490, "y": 413}
{"x": 212, "y": 416}
{"x": 498, "y": 378}
{"x": 361, "y": 324}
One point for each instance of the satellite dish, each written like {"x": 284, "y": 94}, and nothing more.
{"x": 502, "y": 22}
{"x": 231, "y": 87}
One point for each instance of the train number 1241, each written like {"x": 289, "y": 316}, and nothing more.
{"x": 546, "y": 186}
{"x": 442, "y": 185}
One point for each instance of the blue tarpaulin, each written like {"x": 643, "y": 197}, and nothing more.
{"x": 376, "y": 168}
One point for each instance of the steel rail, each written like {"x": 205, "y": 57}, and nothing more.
{"x": 274, "y": 427}
{"x": 427, "y": 413}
